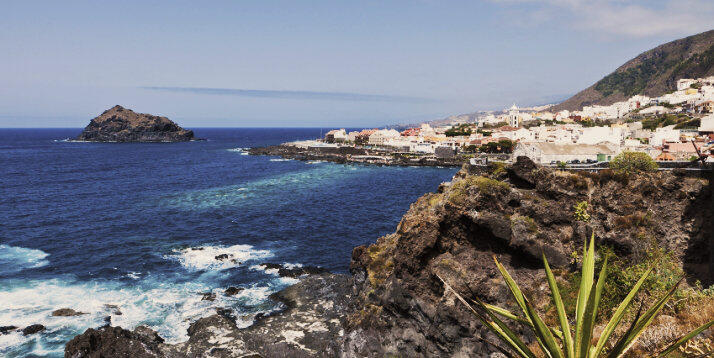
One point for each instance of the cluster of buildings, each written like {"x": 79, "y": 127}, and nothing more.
{"x": 566, "y": 138}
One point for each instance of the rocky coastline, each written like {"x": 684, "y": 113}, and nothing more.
{"x": 357, "y": 155}
{"x": 119, "y": 124}
{"x": 394, "y": 304}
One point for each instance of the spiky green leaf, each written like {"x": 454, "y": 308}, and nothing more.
{"x": 566, "y": 336}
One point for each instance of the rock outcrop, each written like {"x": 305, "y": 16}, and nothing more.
{"x": 310, "y": 324}
{"x": 516, "y": 213}
{"x": 119, "y": 124}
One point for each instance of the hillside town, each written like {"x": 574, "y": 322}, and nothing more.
{"x": 675, "y": 127}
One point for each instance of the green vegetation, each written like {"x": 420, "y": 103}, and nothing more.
{"x": 695, "y": 65}
{"x": 559, "y": 342}
{"x": 494, "y": 125}
{"x": 471, "y": 148}
{"x": 459, "y": 191}
{"x": 502, "y": 146}
{"x": 460, "y": 130}
{"x": 530, "y": 224}
{"x": 588, "y": 122}
{"x": 633, "y": 162}
{"x": 680, "y": 120}
{"x": 665, "y": 272}
{"x": 562, "y": 165}
{"x": 581, "y": 211}
{"x": 497, "y": 168}
{"x": 635, "y": 79}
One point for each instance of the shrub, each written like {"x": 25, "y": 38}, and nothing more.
{"x": 459, "y": 191}
{"x": 562, "y": 165}
{"x": 633, "y": 162}
{"x": 581, "y": 211}
{"x": 638, "y": 219}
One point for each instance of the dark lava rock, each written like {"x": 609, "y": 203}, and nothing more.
{"x": 208, "y": 296}
{"x": 32, "y": 329}
{"x": 119, "y": 124}
{"x": 115, "y": 342}
{"x": 310, "y": 325}
{"x": 222, "y": 257}
{"x": 66, "y": 312}
{"x": 294, "y": 272}
{"x": 7, "y": 329}
{"x": 231, "y": 291}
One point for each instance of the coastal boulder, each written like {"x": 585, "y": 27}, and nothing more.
{"x": 115, "y": 342}
{"x": 66, "y": 312}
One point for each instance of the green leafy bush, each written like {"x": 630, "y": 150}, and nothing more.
{"x": 581, "y": 211}
{"x": 633, "y": 162}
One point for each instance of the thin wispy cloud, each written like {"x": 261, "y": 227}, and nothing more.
{"x": 633, "y": 18}
{"x": 302, "y": 95}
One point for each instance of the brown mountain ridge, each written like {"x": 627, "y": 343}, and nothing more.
{"x": 652, "y": 73}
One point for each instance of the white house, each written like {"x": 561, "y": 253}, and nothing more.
{"x": 551, "y": 152}
{"x": 595, "y": 135}
{"x": 707, "y": 124}
{"x": 381, "y": 136}
{"x": 685, "y": 83}
{"x": 665, "y": 134}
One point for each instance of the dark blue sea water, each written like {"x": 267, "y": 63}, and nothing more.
{"x": 113, "y": 228}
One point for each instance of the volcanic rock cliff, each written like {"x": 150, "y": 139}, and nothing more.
{"x": 395, "y": 305}
{"x": 119, "y": 124}
{"x": 518, "y": 213}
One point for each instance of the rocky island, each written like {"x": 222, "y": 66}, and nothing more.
{"x": 119, "y": 124}
{"x": 395, "y": 304}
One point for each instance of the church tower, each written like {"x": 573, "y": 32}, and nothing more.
{"x": 514, "y": 118}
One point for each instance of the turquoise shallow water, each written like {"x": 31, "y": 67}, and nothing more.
{"x": 108, "y": 228}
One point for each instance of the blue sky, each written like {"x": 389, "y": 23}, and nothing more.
{"x": 316, "y": 63}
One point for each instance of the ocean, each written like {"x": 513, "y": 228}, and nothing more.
{"x": 131, "y": 231}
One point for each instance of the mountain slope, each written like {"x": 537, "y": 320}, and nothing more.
{"x": 652, "y": 73}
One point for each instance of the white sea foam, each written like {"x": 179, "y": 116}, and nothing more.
{"x": 211, "y": 257}
{"x": 14, "y": 259}
{"x": 275, "y": 272}
{"x": 169, "y": 308}
{"x": 316, "y": 161}
{"x": 238, "y": 150}
{"x": 280, "y": 160}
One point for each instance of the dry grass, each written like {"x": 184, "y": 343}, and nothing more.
{"x": 461, "y": 190}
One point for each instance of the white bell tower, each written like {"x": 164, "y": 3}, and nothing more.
{"x": 514, "y": 118}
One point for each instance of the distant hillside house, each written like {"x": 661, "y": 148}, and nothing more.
{"x": 551, "y": 152}
{"x": 707, "y": 125}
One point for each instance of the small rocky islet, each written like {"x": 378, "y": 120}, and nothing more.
{"x": 119, "y": 124}
{"x": 393, "y": 302}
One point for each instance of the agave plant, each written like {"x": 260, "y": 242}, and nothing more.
{"x": 560, "y": 342}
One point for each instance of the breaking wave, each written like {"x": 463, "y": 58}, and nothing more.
{"x": 15, "y": 259}
{"x": 217, "y": 257}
